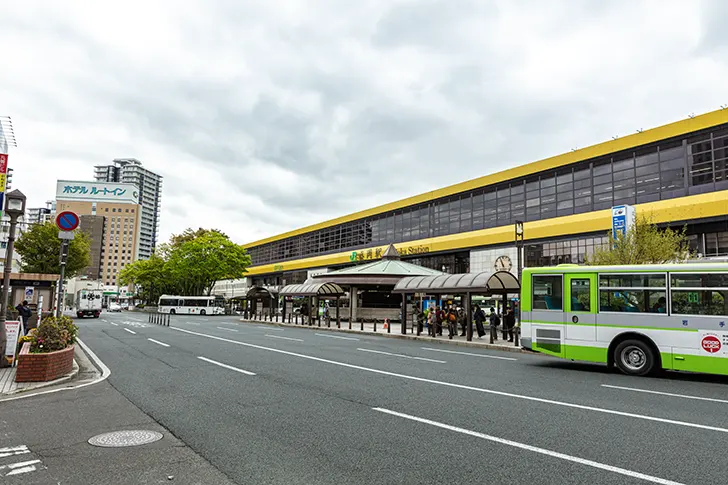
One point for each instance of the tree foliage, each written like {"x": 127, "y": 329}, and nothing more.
{"x": 40, "y": 250}
{"x": 190, "y": 264}
{"x": 645, "y": 243}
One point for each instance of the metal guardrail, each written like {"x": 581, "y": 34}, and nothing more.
{"x": 160, "y": 319}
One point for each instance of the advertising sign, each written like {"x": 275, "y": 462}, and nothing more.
{"x": 29, "y": 292}
{"x": 12, "y": 330}
{"x": 714, "y": 343}
{"x": 96, "y": 191}
{"x": 3, "y": 180}
{"x": 623, "y": 219}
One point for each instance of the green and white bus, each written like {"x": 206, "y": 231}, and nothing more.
{"x": 640, "y": 318}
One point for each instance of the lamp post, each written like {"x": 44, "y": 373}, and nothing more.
{"x": 519, "y": 260}
{"x": 14, "y": 208}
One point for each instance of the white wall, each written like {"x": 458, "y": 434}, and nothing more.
{"x": 483, "y": 260}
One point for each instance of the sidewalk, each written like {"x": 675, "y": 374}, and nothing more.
{"x": 45, "y": 440}
{"x": 8, "y": 385}
{"x": 394, "y": 332}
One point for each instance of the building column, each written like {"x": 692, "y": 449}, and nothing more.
{"x": 352, "y": 303}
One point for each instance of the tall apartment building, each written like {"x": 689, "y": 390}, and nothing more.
{"x": 111, "y": 214}
{"x": 40, "y": 215}
{"x": 130, "y": 171}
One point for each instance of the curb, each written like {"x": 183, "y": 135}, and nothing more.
{"x": 443, "y": 341}
{"x": 68, "y": 377}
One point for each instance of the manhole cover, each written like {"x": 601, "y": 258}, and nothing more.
{"x": 118, "y": 439}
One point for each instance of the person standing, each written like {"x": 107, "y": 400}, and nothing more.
{"x": 509, "y": 323}
{"x": 432, "y": 322}
{"x": 440, "y": 318}
{"x": 494, "y": 323}
{"x": 452, "y": 322}
{"x": 479, "y": 317}
{"x": 24, "y": 312}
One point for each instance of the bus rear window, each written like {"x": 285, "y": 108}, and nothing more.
{"x": 547, "y": 292}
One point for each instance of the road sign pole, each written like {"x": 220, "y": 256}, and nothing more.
{"x": 64, "y": 258}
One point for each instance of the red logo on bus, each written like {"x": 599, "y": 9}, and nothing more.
{"x": 711, "y": 344}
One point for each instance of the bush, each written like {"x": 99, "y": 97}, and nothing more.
{"x": 52, "y": 334}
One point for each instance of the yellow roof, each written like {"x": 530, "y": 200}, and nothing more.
{"x": 645, "y": 137}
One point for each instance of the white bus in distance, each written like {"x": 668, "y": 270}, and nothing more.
{"x": 191, "y": 305}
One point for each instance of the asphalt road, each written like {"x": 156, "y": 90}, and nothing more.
{"x": 297, "y": 406}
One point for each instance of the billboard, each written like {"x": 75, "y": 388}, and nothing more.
{"x": 623, "y": 219}
{"x": 96, "y": 191}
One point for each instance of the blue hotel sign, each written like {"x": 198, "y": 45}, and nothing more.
{"x": 623, "y": 218}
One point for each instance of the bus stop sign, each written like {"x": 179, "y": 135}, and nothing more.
{"x": 67, "y": 221}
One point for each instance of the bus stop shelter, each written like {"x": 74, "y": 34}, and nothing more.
{"x": 486, "y": 283}
{"x": 313, "y": 292}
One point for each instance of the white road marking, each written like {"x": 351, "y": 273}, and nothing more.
{"x": 666, "y": 394}
{"x": 284, "y": 338}
{"x": 461, "y": 386}
{"x": 14, "y": 450}
{"x": 335, "y": 336}
{"x": 158, "y": 342}
{"x": 114, "y": 324}
{"x": 130, "y": 331}
{"x": 20, "y": 467}
{"x": 228, "y": 329}
{"x": 403, "y": 356}
{"x": 535, "y": 449}
{"x": 469, "y": 353}
{"x": 246, "y": 372}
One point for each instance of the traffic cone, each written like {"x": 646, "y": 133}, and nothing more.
{"x": 386, "y": 323}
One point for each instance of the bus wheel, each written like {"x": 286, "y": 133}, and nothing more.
{"x": 635, "y": 358}
{"x": 203, "y": 312}
{"x": 172, "y": 311}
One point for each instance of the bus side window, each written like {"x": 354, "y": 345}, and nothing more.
{"x": 547, "y": 292}
{"x": 580, "y": 295}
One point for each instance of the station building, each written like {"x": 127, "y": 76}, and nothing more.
{"x": 676, "y": 173}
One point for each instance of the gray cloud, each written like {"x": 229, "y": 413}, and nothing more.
{"x": 267, "y": 116}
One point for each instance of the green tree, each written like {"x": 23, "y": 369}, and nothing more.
{"x": 40, "y": 249}
{"x": 644, "y": 243}
{"x": 196, "y": 264}
{"x": 150, "y": 277}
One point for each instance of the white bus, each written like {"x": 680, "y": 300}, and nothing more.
{"x": 193, "y": 305}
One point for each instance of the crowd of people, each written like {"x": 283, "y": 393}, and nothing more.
{"x": 435, "y": 318}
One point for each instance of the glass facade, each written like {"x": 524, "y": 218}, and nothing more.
{"x": 672, "y": 168}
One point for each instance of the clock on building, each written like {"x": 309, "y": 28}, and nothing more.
{"x": 503, "y": 263}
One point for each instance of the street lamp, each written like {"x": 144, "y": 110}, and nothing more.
{"x": 14, "y": 208}
{"x": 519, "y": 260}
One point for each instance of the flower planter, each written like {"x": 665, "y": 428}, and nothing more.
{"x": 43, "y": 367}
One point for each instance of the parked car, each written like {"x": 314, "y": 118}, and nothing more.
{"x": 114, "y": 307}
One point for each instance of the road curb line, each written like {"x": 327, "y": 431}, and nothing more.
{"x": 443, "y": 341}
{"x": 105, "y": 373}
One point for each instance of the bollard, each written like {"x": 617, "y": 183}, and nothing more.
{"x": 375, "y": 325}
{"x": 149, "y": 318}
{"x": 516, "y": 335}
{"x": 389, "y": 327}
{"x": 362, "y": 325}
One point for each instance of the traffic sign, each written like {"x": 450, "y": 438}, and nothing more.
{"x": 67, "y": 221}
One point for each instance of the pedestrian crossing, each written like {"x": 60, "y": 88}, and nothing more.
{"x": 18, "y": 460}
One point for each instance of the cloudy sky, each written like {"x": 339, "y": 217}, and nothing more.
{"x": 264, "y": 116}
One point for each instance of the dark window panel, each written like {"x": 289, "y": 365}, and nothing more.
{"x": 567, "y": 204}
{"x": 533, "y": 202}
{"x": 565, "y": 177}
{"x": 517, "y": 189}
{"x": 623, "y": 175}
{"x": 547, "y": 199}
{"x": 548, "y": 191}
{"x": 547, "y": 181}
{"x": 532, "y": 184}
{"x": 646, "y": 157}
{"x": 563, "y": 188}
{"x": 623, "y": 164}
{"x": 582, "y": 201}
{"x": 602, "y": 168}
{"x": 602, "y": 179}
{"x": 548, "y": 210}
{"x": 582, "y": 192}
{"x": 602, "y": 189}
{"x": 647, "y": 170}
{"x": 622, "y": 184}
{"x": 581, "y": 184}
{"x": 583, "y": 173}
